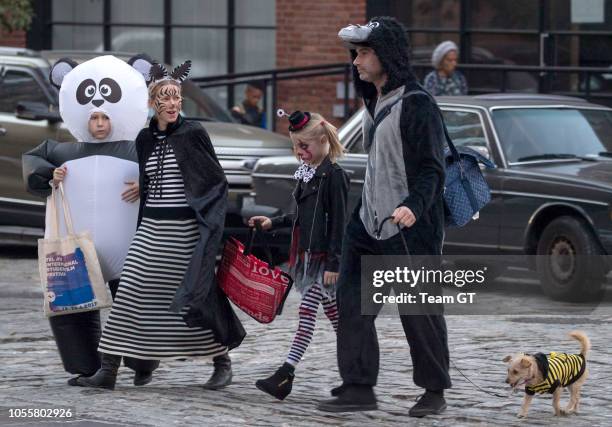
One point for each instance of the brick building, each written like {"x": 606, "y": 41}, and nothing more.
{"x": 306, "y": 34}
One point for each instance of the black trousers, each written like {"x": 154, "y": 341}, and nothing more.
{"x": 358, "y": 351}
{"x": 77, "y": 336}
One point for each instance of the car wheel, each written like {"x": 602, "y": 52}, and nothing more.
{"x": 568, "y": 262}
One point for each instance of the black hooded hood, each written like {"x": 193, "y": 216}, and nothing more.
{"x": 389, "y": 42}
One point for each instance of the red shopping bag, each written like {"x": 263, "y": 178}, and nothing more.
{"x": 256, "y": 287}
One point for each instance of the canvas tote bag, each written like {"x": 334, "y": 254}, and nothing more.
{"x": 70, "y": 273}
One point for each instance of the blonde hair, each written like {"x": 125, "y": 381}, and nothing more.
{"x": 317, "y": 128}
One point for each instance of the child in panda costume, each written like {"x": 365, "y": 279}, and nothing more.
{"x": 103, "y": 102}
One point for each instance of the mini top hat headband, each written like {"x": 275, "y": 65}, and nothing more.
{"x": 158, "y": 73}
{"x": 297, "y": 119}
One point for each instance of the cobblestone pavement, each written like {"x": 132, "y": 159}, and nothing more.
{"x": 32, "y": 376}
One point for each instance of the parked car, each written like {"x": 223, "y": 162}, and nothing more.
{"x": 29, "y": 115}
{"x": 551, "y": 190}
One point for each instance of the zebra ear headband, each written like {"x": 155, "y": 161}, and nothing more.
{"x": 297, "y": 119}
{"x": 159, "y": 73}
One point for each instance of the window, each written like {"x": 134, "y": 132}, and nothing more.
{"x": 356, "y": 146}
{"x": 196, "y": 103}
{"x": 17, "y": 86}
{"x": 504, "y": 14}
{"x": 509, "y": 33}
{"x": 350, "y": 133}
{"x": 529, "y": 133}
{"x": 465, "y": 129}
{"x": 219, "y": 36}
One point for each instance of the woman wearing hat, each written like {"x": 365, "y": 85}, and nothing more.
{"x": 445, "y": 80}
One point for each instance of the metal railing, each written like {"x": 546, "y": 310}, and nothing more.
{"x": 272, "y": 77}
{"x": 543, "y": 82}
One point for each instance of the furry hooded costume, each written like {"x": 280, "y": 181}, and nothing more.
{"x": 405, "y": 162}
{"x": 405, "y": 168}
{"x": 387, "y": 37}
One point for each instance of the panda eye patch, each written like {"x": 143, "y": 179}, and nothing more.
{"x": 110, "y": 90}
{"x": 86, "y": 91}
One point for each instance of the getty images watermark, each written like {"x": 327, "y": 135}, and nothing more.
{"x": 471, "y": 285}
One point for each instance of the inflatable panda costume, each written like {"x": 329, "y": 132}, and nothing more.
{"x": 97, "y": 173}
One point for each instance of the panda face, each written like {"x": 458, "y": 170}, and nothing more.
{"x": 108, "y": 89}
{"x": 108, "y": 85}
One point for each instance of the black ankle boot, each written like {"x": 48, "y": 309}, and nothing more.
{"x": 222, "y": 375}
{"x": 431, "y": 403}
{"x": 106, "y": 375}
{"x": 337, "y": 391}
{"x": 74, "y": 381}
{"x": 280, "y": 383}
{"x": 354, "y": 397}
{"x": 142, "y": 377}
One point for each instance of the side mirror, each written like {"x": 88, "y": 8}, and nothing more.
{"x": 28, "y": 110}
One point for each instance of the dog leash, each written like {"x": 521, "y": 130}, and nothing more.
{"x": 452, "y": 363}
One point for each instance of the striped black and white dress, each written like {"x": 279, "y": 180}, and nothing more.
{"x": 139, "y": 324}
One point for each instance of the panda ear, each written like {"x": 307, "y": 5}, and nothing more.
{"x": 143, "y": 64}
{"x": 59, "y": 70}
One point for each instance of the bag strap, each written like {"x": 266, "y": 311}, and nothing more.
{"x": 383, "y": 113}
{"x": 55, "y": 193}
{"x": 258, "y": 230}
{"x": 449, "y": 141}
{"x": 456, "y": 158}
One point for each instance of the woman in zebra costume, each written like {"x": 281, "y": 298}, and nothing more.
{"x": 168, "y": 305}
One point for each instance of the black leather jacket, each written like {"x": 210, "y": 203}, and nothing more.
{"x": 321, "y": 212}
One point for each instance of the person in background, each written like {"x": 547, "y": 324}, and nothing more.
{"x": 249, "y": 112}
{"x": 445, "y": 80}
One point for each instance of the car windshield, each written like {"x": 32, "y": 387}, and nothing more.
{"x": 52, "y": 90}
{"x": 197, "y": 104}
{"x": 549, "y": 133}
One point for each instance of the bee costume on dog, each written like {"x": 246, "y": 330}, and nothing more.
{"x": 558, "y": 369}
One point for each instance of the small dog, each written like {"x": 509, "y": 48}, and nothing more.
{"x": 550, "y": 373}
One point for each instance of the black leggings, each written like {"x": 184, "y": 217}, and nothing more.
{"x": 77, "y": 336}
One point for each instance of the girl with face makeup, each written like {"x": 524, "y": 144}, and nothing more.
{"x": 318, "y": 224}
{"x": 168, "y": 305}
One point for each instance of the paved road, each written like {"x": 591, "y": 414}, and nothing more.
{"x": 32, "y": 377}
